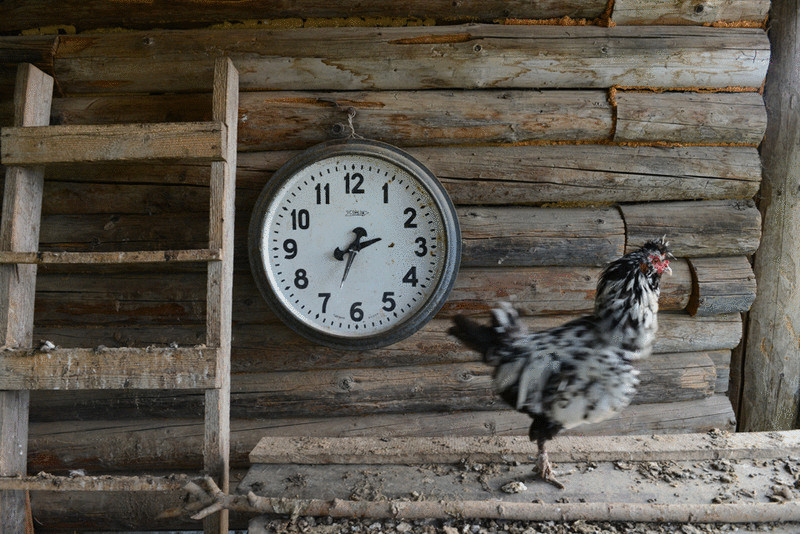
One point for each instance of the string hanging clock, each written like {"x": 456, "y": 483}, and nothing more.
{"x": 354, "y": 243}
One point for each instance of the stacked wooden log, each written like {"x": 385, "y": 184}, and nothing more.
{"x": 563, "y": 146}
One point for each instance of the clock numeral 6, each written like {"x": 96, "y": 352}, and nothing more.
{"x": 411, "y": 277}
{"x": 290, "y": 246}
{"x": 356, "y": 313}
{"x": 389, "y": 302}
{"x": 300, "y": 219}
{"x": 300, "y": 279}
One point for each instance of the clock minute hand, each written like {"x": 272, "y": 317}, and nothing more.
{"x": 351, "y": 254}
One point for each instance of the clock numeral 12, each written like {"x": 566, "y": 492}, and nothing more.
{"x": 359, "y": 181}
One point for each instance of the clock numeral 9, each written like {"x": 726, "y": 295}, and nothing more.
{"x": 359, "y": 181}
{"x": 300, "y": 279}
{"x": 356, "y": 313}
{"x": 290, "y": 246}
{"x": 411, "y": 277}
{"x": 300, "y": 219}
{"x": 412, "y": 214}
{"x": 389, "y": 302}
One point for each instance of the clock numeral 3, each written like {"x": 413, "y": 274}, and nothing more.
{"x": 300, "y": 279}
{"x": 300, "y": 219}
{"x": 389, "y": 302}
{"x": 412, "y": 214}
{"x": 356, "y": 313}
{"x": 411, "y": 277}
{"x": 358, "y": 180}
{"x": 423, "y": 246}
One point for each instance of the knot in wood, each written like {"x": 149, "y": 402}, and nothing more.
{"x": 347, "y": 383}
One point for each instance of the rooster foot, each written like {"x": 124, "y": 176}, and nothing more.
{"x": 545, "y": 471}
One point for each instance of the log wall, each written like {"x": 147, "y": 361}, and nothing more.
{"x": 563, "y": 142}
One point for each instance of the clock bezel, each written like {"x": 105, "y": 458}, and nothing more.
{"x": 394, "y": 156}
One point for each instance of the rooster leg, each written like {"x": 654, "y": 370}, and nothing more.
{"x": 545, "y": 469}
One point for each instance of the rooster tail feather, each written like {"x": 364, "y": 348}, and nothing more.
{"x": 474, "y": 335}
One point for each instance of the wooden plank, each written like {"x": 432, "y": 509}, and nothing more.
{"x": 722, "y": 285}
{"x": 47, "y": 482}
{"x": 148, "y": 444}
{"x": 104, "y": 368}
{"x": 68, "y": 298}
{"x": 81, "y": 258}
{"x": 712, "y": 118}
{"x": 722, "y": 363}
{"x": 671, "y": 12}
{"x": 396, "y": 389}
{"x": 274, "y": 347}
{"x": 771, "y": 372}
{"x": 216, "y": 447}
{"x": 90, "y": 15}
{"x": 292, "y": 120}
{"x": 280, "y": 120}
{"x": 196, "y": 141}
{"x": 696, "y": 229}
{"x": 16, "y": 50}
{"x": 504, "y": 175}
{"x": 547, "y": 290}
{"x": 464, "y": 57}
{"x": 19, "y": 232}
{"x": 539, "y": 236}
{"x": 501, "y": 449}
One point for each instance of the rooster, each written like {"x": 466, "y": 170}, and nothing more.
{"x": 579, "y": 372}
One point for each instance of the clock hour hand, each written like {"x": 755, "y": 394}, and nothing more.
{"x": 355, "y": 246}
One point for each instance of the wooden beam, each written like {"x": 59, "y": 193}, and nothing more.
{"x": 97, "y": 14}
{"x": 104, "y": 368}
{"x": 216, "y": 450}
{"x": 497, "y": 175}
{"x": 87, "y": 258}
{"x": 19, "y": 232}
{"x": 438, "y": 57}
{"x": 16, "y": 50}
{"x": 713, "y": 228}
{"x": 185, "y": 141}
{"x": 721, "y": 285}
{"x": 710, "y": 118}
{"x": 668, "y": 12}
{"x": 147, "y": 444}
{"x": 284, "y": 120}
{"x": 771, "y": 371}
{"x": 47, "y": 482}
{"x": 501, "y": 449}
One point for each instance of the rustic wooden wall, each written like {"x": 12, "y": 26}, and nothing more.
{"x": 563, "y": 144}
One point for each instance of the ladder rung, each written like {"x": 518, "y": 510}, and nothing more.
{"x": 48, "y": 482}
{"x": 110, "y": 368}
{"x": 181, "y": 141}
{"x": 139, "y": 256}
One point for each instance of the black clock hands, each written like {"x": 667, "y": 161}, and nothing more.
{"x": 352, "y": 249}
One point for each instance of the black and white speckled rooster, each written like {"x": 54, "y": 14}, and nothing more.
{"x": 579, "y": 372}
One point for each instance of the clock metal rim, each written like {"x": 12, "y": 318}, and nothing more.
{"x": 393, "y": 155}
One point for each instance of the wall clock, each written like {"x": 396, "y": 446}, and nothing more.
{"x": 354, "y": 244}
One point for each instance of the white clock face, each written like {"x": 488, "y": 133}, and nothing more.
{"x": 353, "y": 245}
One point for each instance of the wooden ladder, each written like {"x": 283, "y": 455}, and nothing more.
{"x": 26, "y": 148}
